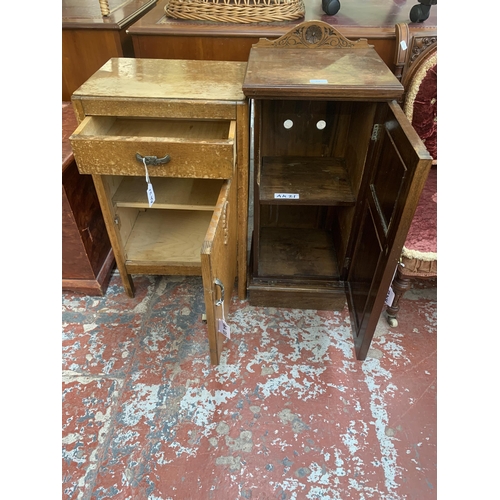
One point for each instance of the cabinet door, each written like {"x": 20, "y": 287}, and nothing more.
{"x": 218, "y": 267}
{"x": 397, "y": 167}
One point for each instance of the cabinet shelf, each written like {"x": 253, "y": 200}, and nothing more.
{"x": 167, "y": 237}
{"x": 170, "y": 193}
{"x": 305, "y": 181}
{"x": 287, "y": 252}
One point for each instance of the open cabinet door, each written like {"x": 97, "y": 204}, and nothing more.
{"x": 218, "y": 267}
{"x": 397, "y": 164}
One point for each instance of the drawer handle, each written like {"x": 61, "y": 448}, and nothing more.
{"x": 152, "y": 160}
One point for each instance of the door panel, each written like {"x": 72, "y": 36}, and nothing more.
{"x": 397, "y": 167}
{"x": 388, "y": 181}
{"x": 361, "y": 278}
{"x": 218, "y": 266}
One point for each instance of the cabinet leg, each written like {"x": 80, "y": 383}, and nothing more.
{"x": 128, "y": 284}
{"x": 399, "y": 286}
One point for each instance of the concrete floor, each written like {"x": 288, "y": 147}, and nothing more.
{"x": 288, "y": 414}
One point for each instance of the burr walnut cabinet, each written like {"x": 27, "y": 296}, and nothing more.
{"x": 180, "y": 127}
{"x": 87, "y": 256}
{"x": 338, "y": 174}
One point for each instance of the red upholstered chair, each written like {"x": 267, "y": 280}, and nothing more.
{"x": 416, "y": 66}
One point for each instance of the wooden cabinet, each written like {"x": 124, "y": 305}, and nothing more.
{"x": 182, "y": 125}
{"x": 87, "y": 257}
{"x": 155, "y": 35}
{"x": 338, "y": 173}
{"x": 90, "y": 38}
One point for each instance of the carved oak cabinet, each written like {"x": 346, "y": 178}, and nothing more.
{"x": 338, "y": 173}
{"x": 182, "y": 127}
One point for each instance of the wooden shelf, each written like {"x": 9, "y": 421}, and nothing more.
{"x": 168, "y": 237}
{"x": 170, "y": 193}
{"x": 287, "y": 252}
{"x": 309, "y": 181}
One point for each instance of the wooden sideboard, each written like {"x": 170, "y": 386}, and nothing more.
{"x": 89, "y": 39}
{"x": 157, "y": 36}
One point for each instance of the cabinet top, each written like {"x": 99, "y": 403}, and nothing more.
{"x": 87, "y": 14}
{"x": 356, "y": 18}
{"x": 314, "y": 61}
{"x": 137, "y": 78}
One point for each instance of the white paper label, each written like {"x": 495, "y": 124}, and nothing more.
{"x": 286, "y": 196}
{"x": 151, "y": 194}
{"x": 318, "y": 81}
{"x": 390, "y": 297}
{"x": 223, "y": 328}
{"x": 403, "y": 45}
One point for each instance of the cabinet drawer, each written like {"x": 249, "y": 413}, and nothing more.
{"x": 196, "y": 148}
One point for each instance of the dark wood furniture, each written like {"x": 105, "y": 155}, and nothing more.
{"x": 415, "y": 45}
{"x": 416, "y": 60}
{"x": 156, "y": 36}
{"x": 87, "y": 257}
{"x": 184, "y": 124}
{"x": 338, "y": 173}
{"x": 89, "y": 39}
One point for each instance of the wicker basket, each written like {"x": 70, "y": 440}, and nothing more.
{"x": 236, "y": 11}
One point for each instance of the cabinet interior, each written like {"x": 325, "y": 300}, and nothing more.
{"x": 112, "y": 126}
{"x": 172, "y": 231}
{"x": 310, "y": 161}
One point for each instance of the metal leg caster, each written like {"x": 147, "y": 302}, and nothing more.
{"x": 419, "y": 13}
{"x": 330, "y": 7}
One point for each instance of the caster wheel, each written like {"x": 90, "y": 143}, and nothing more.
{"x": 331, "y": 7}
{"x": 393, "y": 322}
{"x": 418, "y": 14}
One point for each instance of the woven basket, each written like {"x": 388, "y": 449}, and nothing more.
{"x": 236, "y": 11}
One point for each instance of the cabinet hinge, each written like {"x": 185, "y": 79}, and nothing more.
{"x": 347, "y": 264}
{"x": 375, "y": 132}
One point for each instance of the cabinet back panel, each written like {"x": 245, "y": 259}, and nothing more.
{"x": 170, "y": 193}
{"x": 168, "y": 236}
{"x": 292, "y": 216}
{"x": 303, "y": 138}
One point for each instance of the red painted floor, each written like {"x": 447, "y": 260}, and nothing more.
{"x": 288, "y": 414}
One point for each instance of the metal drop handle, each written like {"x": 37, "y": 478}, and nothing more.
{"x": 152, "y": 160}
{"x": 218, "y": 282}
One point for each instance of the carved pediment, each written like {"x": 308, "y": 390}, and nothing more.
{"x": 312, "y": 35}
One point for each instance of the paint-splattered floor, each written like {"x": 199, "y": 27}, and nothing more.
{"x": 288, "y": 414}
